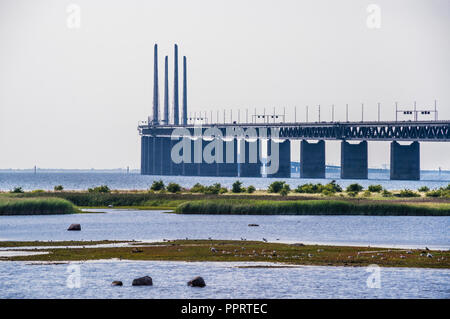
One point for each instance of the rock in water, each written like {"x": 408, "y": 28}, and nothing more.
{"x": 197, "y": 282}
{"x": 253, "y": 225}
{"x": 117, "y": 283}
{"x": 74, "y": 227}
{"x": 143, "y": 281}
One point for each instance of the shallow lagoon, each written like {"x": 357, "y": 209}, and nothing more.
{"x": 381, "y": 231}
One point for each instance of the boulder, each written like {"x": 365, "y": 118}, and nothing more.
{"x": 74, "y": 227}
{"x": 197, "y": 282}
{"x": 117, "y": 283}
{"x": 143, "y": 281}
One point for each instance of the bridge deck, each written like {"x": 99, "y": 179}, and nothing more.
{"x": 436, "y": 131}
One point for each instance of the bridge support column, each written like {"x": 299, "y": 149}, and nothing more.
{"x": 312, "y": 159}
{"x": 192, "y": 168}
{"x": 284, "y": 158}
{"x": 166, "y": 160}
{"x": 157, "y": 155}
{"x": 147, "y": 155}
{"x": 207, "y": 169}
{"x": 249, "y": 158}
{"x": 143, "y": 155}
{"x": 354, "y": 160}
{"x": 405, "y": 161}
{"x": 229, "y": 167}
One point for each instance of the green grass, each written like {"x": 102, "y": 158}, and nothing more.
{"x": 258, "y": 203}
{"x": 310, "y": 207}
{"x": 235, "y": 251}
{"x": 36, "y": 206}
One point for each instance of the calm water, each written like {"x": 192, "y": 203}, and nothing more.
{"x": 223, "y": 280}
{"x": 80, "y": 181}
{"x": 389, "y": 231}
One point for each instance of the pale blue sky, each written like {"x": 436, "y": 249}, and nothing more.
{"x": 71, "y": 98}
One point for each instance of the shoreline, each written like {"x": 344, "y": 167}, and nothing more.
{"x": 257, "y": 203}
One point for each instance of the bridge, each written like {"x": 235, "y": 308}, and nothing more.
{"x": 240, "y": 155}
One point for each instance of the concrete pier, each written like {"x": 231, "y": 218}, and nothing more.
{"x": 144, "y": 151}
{"x": 284, "y": 158}
{"x": 192, "y": 168}
{"x": 405, "y": 161}
{"x": 147, "y": 155}
{"x": 249, "y": 158}
{"x": 157, "y": 155}
{"x": 312, "y": 159}
{"x": 207, "y": 169}
{"x": 166, "y": 161}
{"x": 229, "y": 167}
{"x": 354, "y": 164}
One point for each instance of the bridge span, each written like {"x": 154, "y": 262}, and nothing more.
{"x": 156, "y": 146}
{"x": 227, "y": 153}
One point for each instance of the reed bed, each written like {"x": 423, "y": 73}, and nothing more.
{"x": 36, "y": 206}
{"x": 309, "y": 207}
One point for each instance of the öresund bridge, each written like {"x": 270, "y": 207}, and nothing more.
{"x": 237, "y": 159}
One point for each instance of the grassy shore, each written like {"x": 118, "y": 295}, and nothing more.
{"x": 36, "y": 206}
{"x": 259, "y": 203}
{"x": 234, "y": 251}
{"x": 310, "y": 207}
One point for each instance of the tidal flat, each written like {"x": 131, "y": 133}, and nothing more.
{"x": 245, "y": 251}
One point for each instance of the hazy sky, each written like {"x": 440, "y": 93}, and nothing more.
{"x": 72, "y": 97}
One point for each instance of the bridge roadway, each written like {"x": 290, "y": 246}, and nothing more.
{"x": 430, "y": 131}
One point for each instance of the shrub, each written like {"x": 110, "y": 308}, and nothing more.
{"x": 158, "y": 186}
{"x": 99, "y": 189}
{"x": 17, "y": 190}
{"x": 424, "y": 189}
{"x": 332, "y": 187}
{"x": 354, "y": 188}
{"x": 237, "y": 187}
{"x": 58, "y": 188}
{"x": 251, "y": 189}
{"x": 309, "y": 188}
{"x": 276, "y": 187}
{"x": 285, "y": 190}
{"x": 434, "y": 193}
{"x": 213, "y": 189}
{"x": 197, "y": 188}
{"x": 386, "y": 193}
{"x": 407, "y": 193}
{"x": 375, "y": 188}
{"x": 352, "y": 194}
{"x": 223, "y": 190}
{"x": 173, "y": 188}
{"x": 367, "y": 193}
